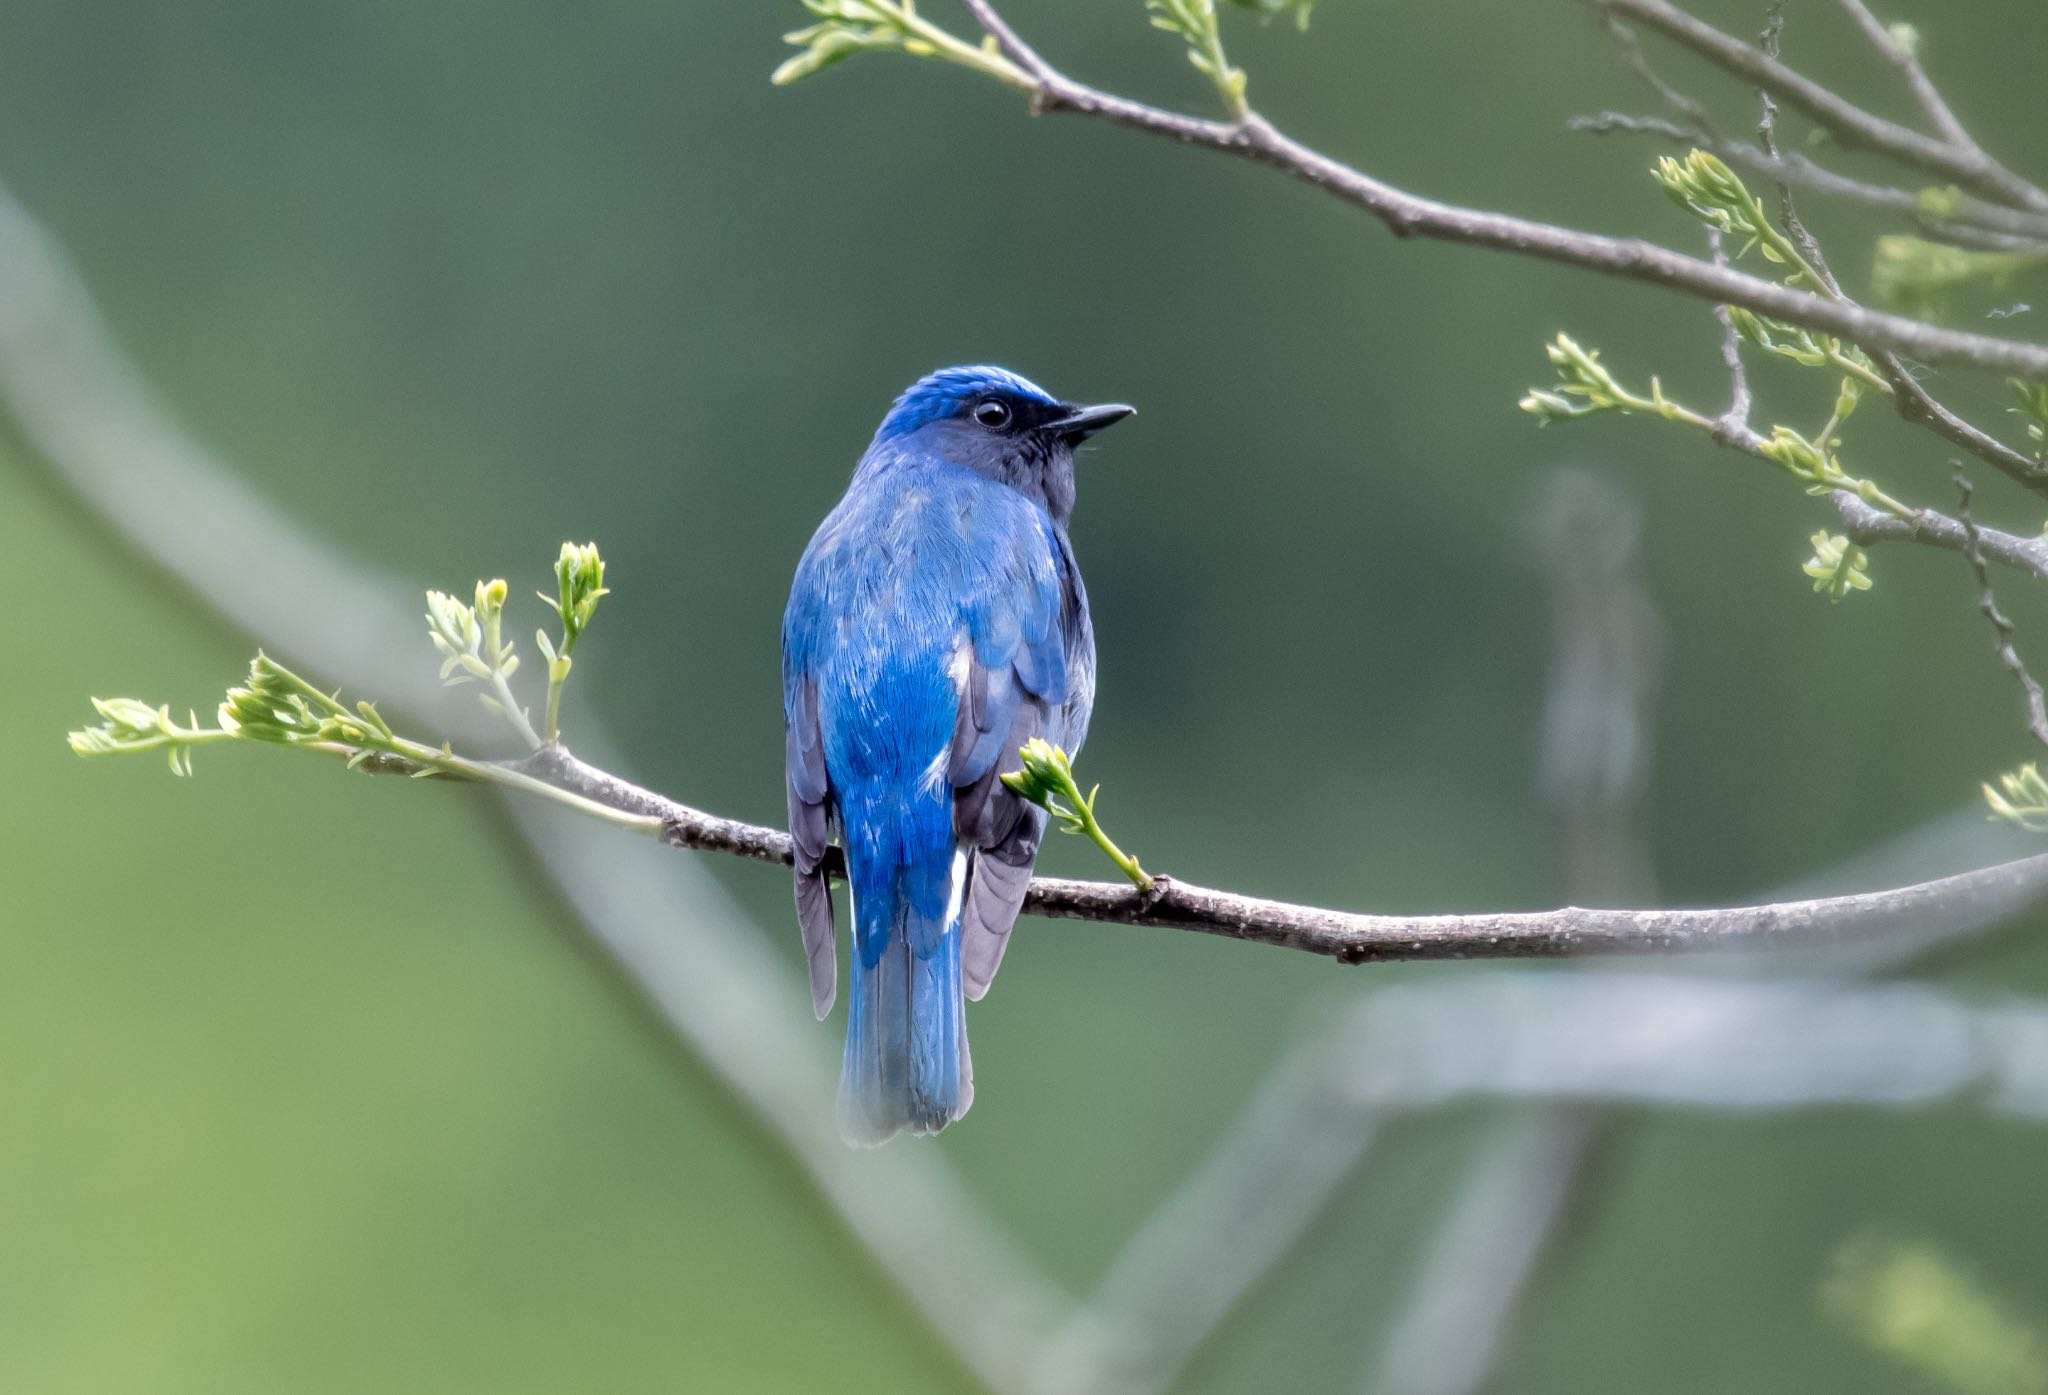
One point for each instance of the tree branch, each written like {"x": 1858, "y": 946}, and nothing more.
{"x": 1909, "y": 398}
{"x": 1932, "y": 103}
{"x": 1868, "y": 526}
{"x": 2002, "y": 628}
{"x": 162, "y": 496}
{"x": 1407, "y": 215}
{"x": 2013, "y": 229}
{"x": 1960, "y": 161}
{"x": 1354, "y": 938}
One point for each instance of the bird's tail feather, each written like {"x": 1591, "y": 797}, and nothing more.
{"x": 907, "y": 1065}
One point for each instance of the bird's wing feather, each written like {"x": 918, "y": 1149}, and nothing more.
{"x": 1021, "y": 631}
{"x": 809, "y": 790}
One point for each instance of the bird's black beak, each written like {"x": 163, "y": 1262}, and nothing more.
{"x": 1079, "y": 423}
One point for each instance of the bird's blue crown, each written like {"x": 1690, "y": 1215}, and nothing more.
{"x": 945, "y": 393}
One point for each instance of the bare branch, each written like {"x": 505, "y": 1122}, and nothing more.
{"x": 1913, "y": 402}
{"x": 1483, "y": 1255}
{"x": 1910, "y": 398}
{"x": 1987, "y": 601}
{"x": 1965, "y": 164}
{"x": 1768, "y": 43}
{"x": 1924, "y": 91}
{"x": 1698, "y": 127}
{"x": 1606, "y": 646}
{"x": 162, "y": 494}
{"x": 1869, "y": 526}
{"x": 1674, "y": 1039}
{"x": 1733, "y": 423}
{"x": 1354, "y": 938}
{"x": 1215, "y": 1236}
{"x": 1408, "y": 215}
{"x": 1973, "y": 220}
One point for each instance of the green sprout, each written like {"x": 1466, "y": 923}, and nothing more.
{"x": 847, "y": 27}
{"x": 579, "y": 585}
{"x": 2033, "y": 406}
{"x": 1917, "y": 277}
{"x": 1837, "y": 566}
{"x": 1195, "y": 22}
{"x": 1814, "y": 462}
{"x": 1913, "y": 1304}
{"x": 275, "y": 706}
{"x": 474, "y": 650}
{"x": 131, "y": 726}
{"x": 1047, "y": 780}
{"x": 1704, "y": 186}
{"x": 1805, "y": 346}
{"x": 1271, "y": 9}
{"x": 1585, "y": 386}
{"x": 2021, "y": 799}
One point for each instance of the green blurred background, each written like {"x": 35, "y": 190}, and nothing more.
{"x": 304, "y": 1084}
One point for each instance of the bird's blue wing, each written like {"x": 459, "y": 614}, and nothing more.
{"x": 810, "y": 791}
{"x": 1029, "y": 665}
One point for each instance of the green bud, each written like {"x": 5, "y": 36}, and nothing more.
{"x": 579, "y": 585}
{"x": 1837, "y": 566}
{"x": 2021, "y": 798}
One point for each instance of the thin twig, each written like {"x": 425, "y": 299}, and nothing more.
{"x": 1698, "y": 127}
{"x": 1769, "y": 42}
{"x": 1732, "y": 424}
{"x": 1922, "y": 87}
{"x": 1408, "y": 215}
{"x": 1972, "y": 218}
{"x": 1963, "y": 163}
{"x": 1987, "y": 601}
{"x": 1910, "y": 397}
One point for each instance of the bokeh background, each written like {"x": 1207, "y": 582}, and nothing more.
{"x": 307, "y": 1084}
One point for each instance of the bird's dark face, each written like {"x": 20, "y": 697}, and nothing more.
{"x": 1006, "y": 427}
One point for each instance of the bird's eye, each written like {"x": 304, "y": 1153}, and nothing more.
{"x": 992, "y": 414}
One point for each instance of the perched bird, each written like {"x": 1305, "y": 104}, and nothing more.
{"x": 937, "y": 622}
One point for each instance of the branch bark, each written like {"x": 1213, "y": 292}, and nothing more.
{"x": 1354, "y": 938}
{"x": 1869, "y": 526}
{"x": 1408, "y": 215}
{"x": 1962, "y": 161}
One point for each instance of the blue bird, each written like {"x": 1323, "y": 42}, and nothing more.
{"x": 937, "y": 622}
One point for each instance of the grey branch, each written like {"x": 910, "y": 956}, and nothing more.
{"x": 2016, "y": 230}
{"x": 1605, "y": 663}
{"x": 1683, "y": 1040}
{"x": 86, "y": 411}
{"x": 1483, "y": 1255}
{"x": 1207, "y": 1244}
{"x": 1869, "y": 526}
{"x": 1355, "y": 938}
{"x": 2001, "y": 627}
{"x": 1960, "y": 161}
{"x": 1408, "y": 215}
{"x": 1924, "y": 91}
{"x": 1981, "y": 222}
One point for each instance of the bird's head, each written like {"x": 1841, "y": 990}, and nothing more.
{"x": 1004, "y": 426}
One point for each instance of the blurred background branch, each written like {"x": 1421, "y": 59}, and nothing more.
{"x": 166, "y": 497}
{"x": 1793, "y": 737}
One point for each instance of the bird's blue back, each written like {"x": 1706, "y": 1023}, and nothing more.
{"x": 936, "y": 622}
